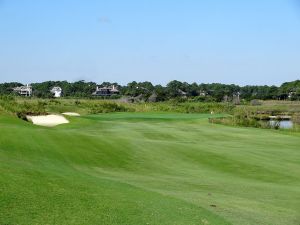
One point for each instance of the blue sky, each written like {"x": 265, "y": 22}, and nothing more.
{"x": 232, "y": 41}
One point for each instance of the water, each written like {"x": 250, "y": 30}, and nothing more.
{"x": 283, "y": 124}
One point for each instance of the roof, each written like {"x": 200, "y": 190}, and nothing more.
{"x": 23, "y": 88}
{"x": 56, "y": 89}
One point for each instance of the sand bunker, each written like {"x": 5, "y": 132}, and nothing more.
{"x": 48, "y": 121}
{"x": 71, "y": 114}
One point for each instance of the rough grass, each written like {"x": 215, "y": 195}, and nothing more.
{"x": 277, "y": 107}
{"x": 94, "y": 106}
{"x": 147, "y": 168}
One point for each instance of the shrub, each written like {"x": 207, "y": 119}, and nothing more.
{"x": 21, "y": 109}
{"x": 255, "y": 102}
{"x": 296, "y": 118}
{"x": 107, "y": 107}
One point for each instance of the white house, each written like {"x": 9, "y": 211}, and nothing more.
{"x": 202, "y": 93}
{"x": 24, "y": 90}
{"x": 106, "y": 91}
{"x": 57, "y": 91}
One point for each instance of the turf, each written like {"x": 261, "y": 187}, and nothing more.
{"x": 147, "y": 168}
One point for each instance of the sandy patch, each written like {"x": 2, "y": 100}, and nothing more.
{"x": 48, "y": 121}
{"x": 71, "y": 114}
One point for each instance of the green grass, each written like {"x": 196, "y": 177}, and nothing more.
{"x": 147, "y": 168}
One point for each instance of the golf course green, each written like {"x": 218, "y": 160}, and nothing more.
{"x": 147, "y": 168}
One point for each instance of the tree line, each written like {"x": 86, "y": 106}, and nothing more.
{"x": 173, "y": 90}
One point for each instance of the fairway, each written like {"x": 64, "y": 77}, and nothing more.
{"x": 147, "y": 168}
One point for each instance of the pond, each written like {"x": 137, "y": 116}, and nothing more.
{"x": 283, "y": 124}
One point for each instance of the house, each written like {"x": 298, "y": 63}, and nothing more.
{"x": 24, "y": 90}
{"x": 291, "y": 94}
{"x": 236, "y": 98}
{"x": 202, "y": 93}
{"x": 57, "y": 91}
{"x": 182, "y": 93}
{"x": 106, "y": 91}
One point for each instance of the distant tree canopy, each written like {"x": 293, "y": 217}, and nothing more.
{"x": 6, "y": 88}
{"x": 173, "y": 90}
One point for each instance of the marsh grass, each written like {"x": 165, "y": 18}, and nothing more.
{"x": 92, "y": 106}
{"x": 245, "y": 116}
{"x": 22, "y": 108}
